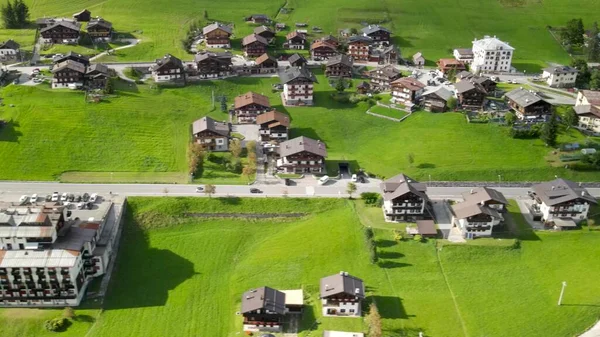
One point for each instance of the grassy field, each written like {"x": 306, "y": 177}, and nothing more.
{"x": 381, "y": 110}
{"x": 164, "y": 281}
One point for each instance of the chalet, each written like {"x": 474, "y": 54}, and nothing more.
{"x": 250, "y": 105}
{"x": 258, "y": 18}
{"x": 407, "y": 90}
{"x": 562, "y": 202}
{"x": 377, "y": 33}
{"x": 463, "y": 75}
{"x": 9, "y": 51}
{"x": 560, "y": 76}
{"x": 298, "y": 84}
{"x": 100, "y": 30}
{"x": 330, "y": 39}
{"x": 212, "y": 135}
{"x": 435, "y": 99}
{"x": 384, "y": 54}
{"x": 217, "y": 35}
{"x": 297, "y": 60}
{"x": 73, "y": 56}
{"x": 168, "y": 68}
{"x": 280, "y": 26}
{"x": 342, "y": 295}
{"x": 363, "y": 88}
{"x": 273, "y": 126}
{"x": 446, "y": 65}
{"x": 527, "y": 105}
{"x": 61, "y": 32}
{"x": 383, "y": 77}
{"x": 302, "y": 155}
{"x": 480, "y": 211}
{"x": 464, "y": 55}
{"x": 212, "y": 65}
{"x": 405, "y": 200}
{"x": 320, "y": 50}
{"x": 470, "y": 94}
{"x": 358, "y": 48}
{"x": 265, "y": 64}
{"x": 68, "y": 74}
{"x": 418, "y": 59}
{"x": 97, "y": 75}
{"x": 486, "y": 83}
{"x": 45, "y": 22}
{"x": 83, "y": 16}
{"x": 265, "y": 32}
{"x": 295, "y": 40}
{"x": 263, "y": 309}
{"x": 254, "y": 45}
{"x": 587, "y": 107}
{"x": 339, "y": 66}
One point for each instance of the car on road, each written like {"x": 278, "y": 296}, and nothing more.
{"x": 55, "y": 196}
{"x": 37, "y": 80}
{"x": 34, "y": 197}
{"x": 93, "y": 197}
{"x": 199, "y": 189}
{"x": 64, "y": 197}
{"x": 323, "y": 180}
{"x": 23, "y": 199}
{"x": 16, "y": 81}
{"x": 255, "y": 190}
{"x": 354, "y": 178}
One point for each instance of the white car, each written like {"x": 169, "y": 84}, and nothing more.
{"x": 23, "y": 199}
{"x": 323, "y": 180}
{"x": 93, "y": 197}
{"x": 81, "y": 205}
{"x": 64, "y": 197}
{"x": 34, "y": 197}
{"x": 55, "y": 196}
{"x": 354, "y": 178}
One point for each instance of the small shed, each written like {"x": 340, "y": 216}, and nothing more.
{"x": 83, "y": 16}
{"x": 425, "y": 228}
{"x": 294, "y": 301}
{"x": 418, "y": 59}
{"x": 588, "y": 151}
{"x": 563, "y": 224}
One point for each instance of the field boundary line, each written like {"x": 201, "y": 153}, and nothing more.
{"x": 462, "y": 321}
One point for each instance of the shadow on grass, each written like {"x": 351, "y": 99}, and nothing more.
{"x": 387, "y": 264}
{"x": 144, "y": 276}
{"x": 306, "y": 132}
{"x": 84, "y": 318}
{"x": 230, "y": 200}
{"x": 426, "y": 166}
{"x": 9, "y": 133}
{"x": 308, "y": 320}
{"x": 385, "y": 243}
{"x": 391, "y": 307}
{"x": 389, "y": 255}
{"x": 522, "y": 230}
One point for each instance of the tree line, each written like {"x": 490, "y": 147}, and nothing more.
{"x": 15, "y": 14}
{"x": 573, "y": 34}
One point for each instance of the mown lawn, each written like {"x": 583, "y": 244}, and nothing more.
{"x": 394, "y": 113}
{"x": 184, "y": 274}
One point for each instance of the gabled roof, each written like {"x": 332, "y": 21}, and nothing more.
{"x": 167, "y": 59}
{"x": 426, "y": 227}
{"x": 301, "y": 144}
{"x": 560, "y": 70}
{"x": 468, "y": 85}
{"x": 400, "y": 185}
{"x": 207, "y": 123}
{"x": 417, "y": 56}
{"x": 9, "y": 44}
{"x": 319, "y": 44}
{"x": 409, "y": 83}
{"x": 467, "y": 209}
{"x": 464, "y": 52}
{"x": 66, "y": 24}
{"x": 215, "y": 26}
{"x": 263, "y": 298}
{"x": 561, "y": 190}
{"x": 69, "y": 64}
{"x": 484, "y": 194}
{"x": 339, "y": 59}
{"x": 294, "y": 34}
{"x": 587, "y": 110}
{"x": 329, "y": 38}
{"x": 262, "y": 29}
{"x": 98, "y": 67}
{"x": 251, "y": 98}
{"x": 491, "y": 43}
{"x": 296, "y": 57}
{"x": 592, "y": 96}
{"x": 224, "y": 57}
{"x": 294, "y": 73}
{"x": 342, "y": 283}
{"x": 273, "y": 116}
{"x": 100, "y": 23}
{"x": 464, "y": 74}
{"x": 73, "y": 56}
{"x": 262, "y": 58}
{"x": 523, "y": 97}
{"x": 85, "y": 11}
{"x": 441, "y": 92}
{"x": 370, "y": 29}
{"x": 450, "y": 62}
{"x": 359, "y": 38}
{"x": 254, "y": 38}
{"x": 388, "y": 71}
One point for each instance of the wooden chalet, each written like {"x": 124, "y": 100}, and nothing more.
{"x": 295, "y": 40}
{"x": 358, "y": 48}
{"x": 211, "y": 65}
{"x": 250, "y": 105}
{"x": 273, "y": 126}
{"x": 377, "y": 33}
{"x": 217, "y": 35}
{"x": 168, "y": 68}
{"x": 527, "y": 105}
{"x": 470, "y": 94}
{"x": 320, "y": 50}
{"x": 212, "y": 135}
{"x": 339, "y": 66}
{"x": 100, "y": 29}
{"x": 302, "y": 155}
{"x": 254, "y": 45}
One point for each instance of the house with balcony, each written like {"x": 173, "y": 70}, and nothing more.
{"x": 383, "y": 76}
{"x": 302, "y": 155}
{"x": 342, "y": 295}
{"x": 470, "y": 94}
{"x": 587, "y": 107}
{"x": 97, "y": 75}
{"x": 358, "y": 48}
{"x": 298, "y": 86}
{"x": 405, "y": 200}
{"x": 212, "y": 135}
{"x": 560, "y": 76}
{"x": 490, "y": 54}
{"x": 9, "y": 51}
{"x": 445, "y": 65}
{"x": 168, "y": 69}
{"x": 68, "y": 74}
{"x": 527, "y": 105}
{"x": 265, "y": 32}
{"x": 377, "y": 33}
{"x": 61, "y": 32}
{"x": 100, "y": 30}
{"x": 321, "y": 50}
{"x": 295, "y": 40}
{"x": 384, "y": 54}
{"x": 435, "y": 99}
{"x": 339, "y": 66}
{"x": 254, "y": 45}
{"x": 265, "y": 64}
{"x": 407, "y": 90}
{"x": 213, "y": 65}
{"x": 479, "y": 213}
{"x": 297, "y": 60}
{"x": 563, "y": 202}
{"x": 263, "y": 309}
{"x": 273, "y": 126}
{"x": 73, "y": 57}
{"x": 464, "y": 55}
{"x": 217, "y": 35}
{"x": 249, "y": 105}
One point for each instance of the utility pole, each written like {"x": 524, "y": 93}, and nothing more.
{"x": 562, "y": 291}
{"x": 213, "y": 98}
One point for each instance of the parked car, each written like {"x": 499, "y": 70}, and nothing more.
{"x": 49, "y": 197}
{"x": 199, "y": 189}
{"x": 34, "y": 197}
{"x": 288, "y": 182}
{"x": 64, "y": 197}
{"x": 323, "y": 180}
{"x": 86, "y": 197}
{"x": 71, "y": 197}
{"x": 23, "y": 199}
{"x": 354, "y": 178}
{"x": 37, "y": 80}
{"x": 255, "y": 190}
{"x": 90, "y": 205}
{"x": 78, "y": 198}
{"x": 93, "y": 197}
{"x": 55, "y": 196}
{"x": 81, "y": 205}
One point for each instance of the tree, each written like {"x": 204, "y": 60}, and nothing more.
{"x": 206, "y": 14}
{"x": 593, "y": 47}
{"x": 570, "y": 118}
{"x": 573, "y": 33}
{"x": 248, "y": 171}
{"x": 410, "y": 158}
{"x": 195, "y": 156}
{"x": 510, "y": 118}
{"x": 353, "y": 31}
{"x": 68, "y": 312}
{"x": 373, "y": 320}
{"x": 15, "y": 15}
{"x": 593, "y": 159}
{"x": 235, "y": 147}
{"x": 595, "y": 80}
{"x": 209, "y": 189}
{"x": 549, "y": 131}
{"x": 351, "y": 189}
{"x": 340, "y": 85}
{"x": 223, "y": 104}
{"x": 452, "y": 103}
{"x": 583, "y": 77}
{"x": 109, "y": 87}
{"x": 451, "y": 75}
{"x": 8, "y": 15}
{"x": 251, "y": 146}
{"x": 21, "y": 13}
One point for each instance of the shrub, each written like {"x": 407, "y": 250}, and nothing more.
{"x": 529, "y": 133}
{"x": 373, "y": 253}
{"x": 370, "y": 198}
{"x": 56, "y": 324}
{"x": 398, "y": 235}
{"x": 369, "y": 233}
{"x": 418, "y": 238}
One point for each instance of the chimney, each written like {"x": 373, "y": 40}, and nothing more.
{"x": 583, "y": 193}
{"x": 341, "y": 272}
{"x": 526, "y": 100}
{"x": 357, "y": 291}
{"x": 345, "y": 273}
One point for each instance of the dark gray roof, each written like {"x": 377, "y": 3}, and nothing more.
{"x": 467, "y": 85}
{"x": 561, "y": 190}
{"x": 67, "y": 24}
{"x": 69, "y": 64}
{"x": 98, "y": 67}
{"x": 484, "y": 194}
{"x": 464, "y": 74}
{"x": 339, "y": 59}
{"x": 374, "y": 28}
{"x": 400, "y": 185}
{"x": 263, "y": 298}
{"x": 388, "y": 71}
{"x": 74, "y": 239}
{"x": 166, "y": 60}
{"x": 299, "y": 144}
{"x": 359, "y": 38}
{"x": 293, "y": 73}
{"x": 207, "y": 123}
{"x": 10, "y": 44}
{"x": 523, "y": 97}
{"x": 221, "y": 56}
{"x": 99, "y": 22}
{"x": 73, "y": 56}
{"x": 296, "y": 57}
{"x": 342, "y": 283}
{"x": 561, "y": 70}
{"x": 441, "y": 92}
{"x": 262, "y": 29}
{"x": 216, "y": 25}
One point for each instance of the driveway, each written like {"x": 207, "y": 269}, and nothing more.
{"x": 249, "y": 131}
{"x": 443, "y": 218}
